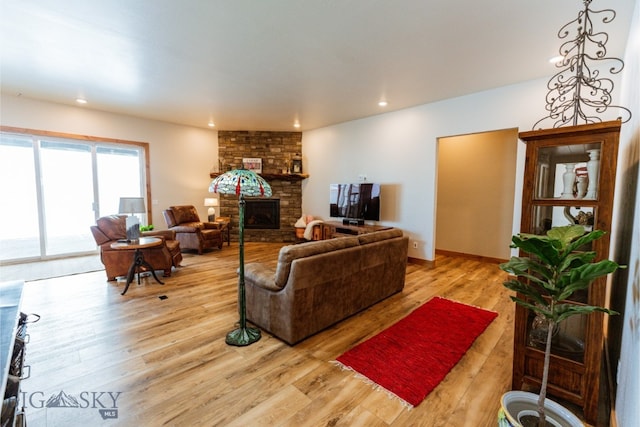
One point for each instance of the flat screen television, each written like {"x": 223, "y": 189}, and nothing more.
{"x": 355, "y": 201}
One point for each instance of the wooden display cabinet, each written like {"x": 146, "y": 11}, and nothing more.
{"x": 551, "y": 197}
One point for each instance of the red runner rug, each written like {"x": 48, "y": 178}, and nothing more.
{"x": 411, "y": 357}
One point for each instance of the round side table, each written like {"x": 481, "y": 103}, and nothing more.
{"x": 138, "y": 257}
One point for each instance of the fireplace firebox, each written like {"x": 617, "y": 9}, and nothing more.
{"x": 262, "y": 214}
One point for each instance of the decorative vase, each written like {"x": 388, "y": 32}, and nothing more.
{"x": 568, "y": 181}
{"x": 593, "y": 170}
{"x": 516, "y": 406}
{"x": 581, "y": 186}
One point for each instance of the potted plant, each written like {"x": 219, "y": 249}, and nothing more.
{"x": 556, "y": 268}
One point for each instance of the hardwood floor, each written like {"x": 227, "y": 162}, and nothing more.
{"x": 165, "y": 362}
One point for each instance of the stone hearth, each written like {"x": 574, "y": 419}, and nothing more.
{"x": 276, "y": 150}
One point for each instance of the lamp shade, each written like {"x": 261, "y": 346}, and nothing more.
{"x": 241, "y": 182}
{"x": 132, "y": 205}
{"x": 211, "y": 201}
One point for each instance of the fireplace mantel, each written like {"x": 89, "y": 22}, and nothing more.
{"x": 274, "y": 176}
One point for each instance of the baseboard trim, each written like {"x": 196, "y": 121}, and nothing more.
{"x": 470, "y": 256}
{"x": 423, "y": 262}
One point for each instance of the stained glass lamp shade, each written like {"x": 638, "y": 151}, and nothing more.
{"x": 241, "y": 182}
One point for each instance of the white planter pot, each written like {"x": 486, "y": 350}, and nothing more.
{"x": 516, "y": 404}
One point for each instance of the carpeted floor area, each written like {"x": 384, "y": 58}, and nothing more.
{"x": 40, "y": 270}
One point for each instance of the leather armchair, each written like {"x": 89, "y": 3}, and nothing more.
{"x": 190, "y": 231}
{"x": 109, "y": 229}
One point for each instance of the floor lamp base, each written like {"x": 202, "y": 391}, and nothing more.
{"x": 243, "y": 336}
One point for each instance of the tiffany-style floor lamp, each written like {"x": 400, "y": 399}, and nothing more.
{"x": 241, "y": 182}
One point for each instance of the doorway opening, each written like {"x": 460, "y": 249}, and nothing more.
{"x": 475, "y": 194}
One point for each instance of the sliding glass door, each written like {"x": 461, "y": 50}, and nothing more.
{"x": 54, "y": 189}
{"x": 66, "y": 179}
{"x": 119, "y": 174}
{"x": 18, "y": 191}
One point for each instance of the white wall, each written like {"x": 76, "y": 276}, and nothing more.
{"x": 180, "y": 156}
{"x": 626, "y": 234}
{"x": 398, "y": 150}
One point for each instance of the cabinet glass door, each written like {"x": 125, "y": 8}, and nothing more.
{"x": 544, "y": 217}
{"x": 567, "y": 340}
{"x": 568, "y": 172}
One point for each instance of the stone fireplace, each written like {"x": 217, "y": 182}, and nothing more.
{"x": 276, "y": 149}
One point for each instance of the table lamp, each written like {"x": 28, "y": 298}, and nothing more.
{"x": 241, "y": 182}
{"x": 132, "y": 205}
{"x": 211, "y": 203}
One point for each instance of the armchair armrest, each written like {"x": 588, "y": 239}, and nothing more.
{"x": 99, "y": 236}
{"x": 164, "y": 234}
{"x": 261, "y": 276}
{"x": 211, "y": 225}
{"x": 185, "y": 229}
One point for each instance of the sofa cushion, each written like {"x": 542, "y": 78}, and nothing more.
{"x": 379, "y": 235}
{"x": 292, "y": 252}
{"x": 184, "y": 214}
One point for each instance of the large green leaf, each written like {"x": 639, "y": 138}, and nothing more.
{"x": 555, "y": 269}
{"x": 565, "y": 235}
{"x": 537, "y": 308}
{"x": 583, "y": 240}
{"x": 540, "y": 247}
{"x": 583, "y": 276}
{"x": 524, "y": 266}
{"x": 526, "y": 290}
{"x": 576, "y": 259}
{"x": 564, "y": 311}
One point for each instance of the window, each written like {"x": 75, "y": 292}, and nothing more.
{"x": 54, "y": 187}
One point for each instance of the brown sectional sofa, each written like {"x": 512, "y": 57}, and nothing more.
{"x": 317, "y": 284}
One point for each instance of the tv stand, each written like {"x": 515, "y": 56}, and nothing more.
{"x": 333, "y": 229}
{"x": 353, "y": 221}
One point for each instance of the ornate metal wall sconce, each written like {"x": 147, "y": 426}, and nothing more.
{"x": 578, "y": 93}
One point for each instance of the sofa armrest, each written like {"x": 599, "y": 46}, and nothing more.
{"x": 261, "y": 276}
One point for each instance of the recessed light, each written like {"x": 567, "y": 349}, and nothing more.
{"x": 81, "y": 101}
{"x": 296, "y": 125}
{"x": 556, "y": 59}
{"x": 382, "y": 103}
{"x": 211, "y": 124}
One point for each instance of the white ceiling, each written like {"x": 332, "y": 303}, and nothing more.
{"x": 263, "y": 64}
